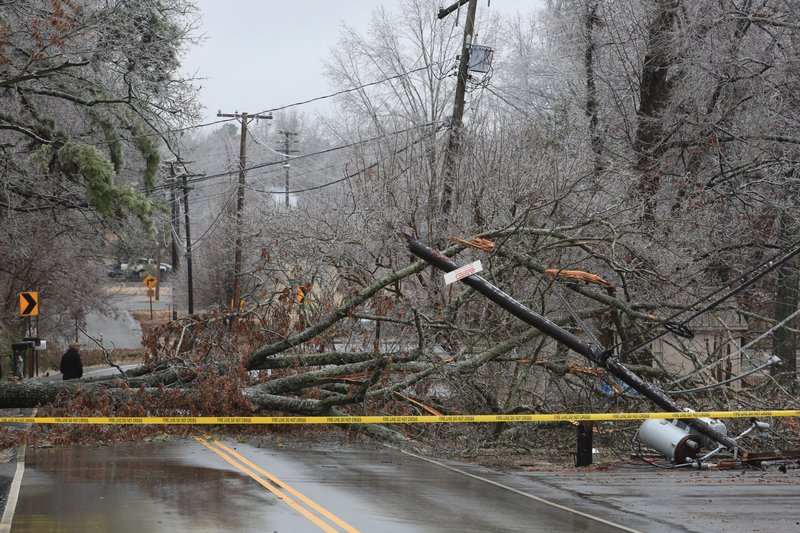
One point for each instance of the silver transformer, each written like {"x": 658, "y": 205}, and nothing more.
{"x": 677, "y": 440}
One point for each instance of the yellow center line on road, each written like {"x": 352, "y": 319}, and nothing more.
{"x": 299, "y": 495}
{"x": 242, "y": 464}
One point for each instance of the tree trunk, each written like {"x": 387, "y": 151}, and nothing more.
{"x": 654, "y": 91}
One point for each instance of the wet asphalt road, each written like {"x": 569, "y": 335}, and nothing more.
{"x": 119, "y": 329}
{"x": 183, "y": 485}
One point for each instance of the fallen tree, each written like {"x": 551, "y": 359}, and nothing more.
{"x": 410, "y": 360}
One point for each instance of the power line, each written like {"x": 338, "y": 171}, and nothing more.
{"x": 202, "y": 178}
{"x": 352, "y": 89}
{"x": 738, "y": 351}
{"x": 307, "y": 172}
{"x": 349, "y": 176}
{"x": 214, "y": 223}
{"x": 279, "y": 108}
{"x": 516, "y": 108}
{"x": 744, "y": 280}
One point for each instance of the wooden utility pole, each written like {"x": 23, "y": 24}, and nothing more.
{"x": 188, "y": 243}
{"x": 244, "y": 118}
{"x": 454, "y": 139}
{"x": 158, "y": 263}
{"x": 286, "y": 151}
{"x": 175, "y": 226}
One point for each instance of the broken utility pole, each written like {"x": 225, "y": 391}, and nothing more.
{"x": 602, "y": 358}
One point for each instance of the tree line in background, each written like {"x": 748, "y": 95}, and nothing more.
{"x": 650, "y": 143}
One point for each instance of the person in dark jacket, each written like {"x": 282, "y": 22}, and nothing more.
{"x": 71, "y": 366}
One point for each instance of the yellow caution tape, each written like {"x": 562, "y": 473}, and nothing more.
{"x": 423, "y": 419}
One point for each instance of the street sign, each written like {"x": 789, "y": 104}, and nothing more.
{"x": 150, "y": 281}
{"x": 28, "y": 303}
{"x": 151, "y": 293}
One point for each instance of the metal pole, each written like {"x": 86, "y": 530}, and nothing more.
{"x": 158, "y": 266}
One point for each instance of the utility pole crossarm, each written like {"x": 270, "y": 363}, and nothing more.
{"x": 259, "y": 116}
{"x": 443, "y": 12}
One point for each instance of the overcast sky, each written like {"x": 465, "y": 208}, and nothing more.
{"x": 262, "y": 54}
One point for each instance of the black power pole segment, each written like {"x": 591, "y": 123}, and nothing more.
{"x": 244, "y": 119}
{"x": 287, "y": 142}
{"x": 602, "y": 358}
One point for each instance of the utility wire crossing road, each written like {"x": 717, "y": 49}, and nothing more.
{"x": 423, "y": 419}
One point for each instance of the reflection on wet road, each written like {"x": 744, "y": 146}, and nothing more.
{"x": 183, "y": 485}
{"x": 132, "y": 488}
{"x": 316, "y": 514}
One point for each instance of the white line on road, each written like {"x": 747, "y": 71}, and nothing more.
{"x": 525, "y": 494}
{"x": 13, "y": 492}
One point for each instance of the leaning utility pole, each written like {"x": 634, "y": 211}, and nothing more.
{"x": 454, "y": 139}
{"x": 602, "y": 358}
{"x": 286, "y": 151}
{"x": 244, "y": 118}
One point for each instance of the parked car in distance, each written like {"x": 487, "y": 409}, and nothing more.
{"x": 115, "y": 271}
{"x": 139, "y": 268}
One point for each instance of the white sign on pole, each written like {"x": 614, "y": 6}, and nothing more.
{"x": 462, "y": 272}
